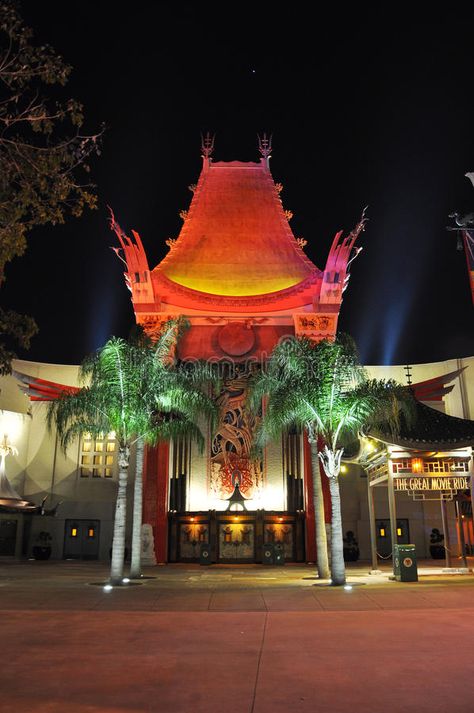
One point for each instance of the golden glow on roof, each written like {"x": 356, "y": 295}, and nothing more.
{"x": 252, "y": 283}
{"x": 236, "y": 240}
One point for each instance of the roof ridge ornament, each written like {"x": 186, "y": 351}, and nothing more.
{"x": 265, "y": 146}
{"x": 207, "y": 145}
{"x": 464, "y": 230}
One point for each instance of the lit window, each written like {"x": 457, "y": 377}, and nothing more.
{"x": 399, "y": 531}
{"x": 382, "y": 532}
{"x": 91, "y": 532}
{"x": 202, "y": 534}
{"x": 73, "y": 531}
{"x": 98, "y": 456}
{"x": 228, "y": 535}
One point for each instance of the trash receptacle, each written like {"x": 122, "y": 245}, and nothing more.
{"x": 268, "y": 553}
{"x": 405, "y": 567}
{"x": 279, "y": 554}
{"x": 205, "y": 554}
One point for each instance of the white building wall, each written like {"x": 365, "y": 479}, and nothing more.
{"x": 460, "y": 402}
{"x": 274, "y": 494}
{"x": 41, "y": 467}
{"x": 198, "y": 497}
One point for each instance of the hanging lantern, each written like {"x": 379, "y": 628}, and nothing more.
{"x": 416, "y": 465}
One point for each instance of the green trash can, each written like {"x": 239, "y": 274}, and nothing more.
{"x": 268, "y": 553}
{"x": 279, "y": 554}
{"x": 405, "y": 568}
{"x": 205, "y": 554}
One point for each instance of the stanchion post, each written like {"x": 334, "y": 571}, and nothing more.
{"x": 373, "y": 529}
{"x": 444, "y": 519}
{"x": 393, "y": 512}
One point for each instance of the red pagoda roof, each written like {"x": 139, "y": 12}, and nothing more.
{"x": 236, "y": 240}
{"x": 236, "y": 251}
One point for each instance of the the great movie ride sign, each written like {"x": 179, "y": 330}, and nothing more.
{"x": 448, "y": 482}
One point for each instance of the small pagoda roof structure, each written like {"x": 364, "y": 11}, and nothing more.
{"x": 236, "y": 499}
{"x": 430, "y": 430}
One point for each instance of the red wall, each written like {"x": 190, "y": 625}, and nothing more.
{"x": 155, "y": 497}
{"x": 311, "y": 551}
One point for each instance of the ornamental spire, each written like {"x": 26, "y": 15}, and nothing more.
{"x": 207, "y": 145}
{"x": 265, "y": 147}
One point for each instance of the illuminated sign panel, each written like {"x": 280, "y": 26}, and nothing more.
{"x": 450, "y": 482}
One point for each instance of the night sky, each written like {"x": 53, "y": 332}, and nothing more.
{"x": 369, "y": 108}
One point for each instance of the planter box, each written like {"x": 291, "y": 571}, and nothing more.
{"x": 41, "y": 553}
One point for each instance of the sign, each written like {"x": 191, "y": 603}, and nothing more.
{"x": 449, "y": 482}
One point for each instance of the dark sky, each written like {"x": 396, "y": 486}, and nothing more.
{"x": 369, "y": 108}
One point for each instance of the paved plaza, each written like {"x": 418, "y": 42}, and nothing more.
{"x": 234, "y": 640}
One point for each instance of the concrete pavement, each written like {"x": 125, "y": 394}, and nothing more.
{"x": 233, "y": 639}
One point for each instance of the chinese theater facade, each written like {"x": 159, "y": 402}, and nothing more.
{"x": 242, "y": 280}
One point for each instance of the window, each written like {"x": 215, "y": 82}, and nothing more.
{"x": 228, "y": 535}
{"x": 98, "y": 455}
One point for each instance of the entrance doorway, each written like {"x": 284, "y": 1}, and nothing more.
{"x": 236, "y": 542}
{"x": 8, "y": 537}
{"x": 384, "y": 537}
{"x": 236, "y": 536}
{"x": 81, "y": 539}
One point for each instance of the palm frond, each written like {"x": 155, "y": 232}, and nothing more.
{"x": 324, "y": 388}
{"x": 176, "y": 428}
{"x": 127, "y": 384}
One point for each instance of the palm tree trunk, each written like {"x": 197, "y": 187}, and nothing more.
{"x": 136, "y": 565}
{"x": 331, "y": 460}
{"x": 118, "y": 543}
{"x": 338, "y": 571}
{"x": 318, "y": 499}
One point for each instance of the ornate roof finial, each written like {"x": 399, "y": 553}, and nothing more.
{"x": 207, "y": 145}
{"x": 265, "y": 146}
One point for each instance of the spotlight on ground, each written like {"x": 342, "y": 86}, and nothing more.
{"x": 108, "y": 588}
{"x": 348, "y": 587}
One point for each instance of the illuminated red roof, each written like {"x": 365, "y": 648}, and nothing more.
{"x": 236, "y": 239}
{"x": 236, "y": 252}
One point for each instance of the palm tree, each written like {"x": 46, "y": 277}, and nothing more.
{"x": 324, "y": 389}
{"x": 126, "y": 385}
{"x": 277, "y": 384}
{"x": 178, "y": 406}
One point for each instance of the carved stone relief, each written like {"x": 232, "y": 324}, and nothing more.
{"x": 230, "y": 458}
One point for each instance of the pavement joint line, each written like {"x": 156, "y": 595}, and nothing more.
{"x": 210, "y": 601}
{"x": 260, "y": 653}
